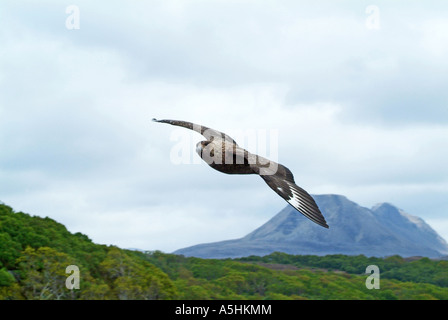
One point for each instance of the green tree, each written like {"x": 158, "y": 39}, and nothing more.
{"x": 130, "y": 278}
{"x": 43, "y": 274}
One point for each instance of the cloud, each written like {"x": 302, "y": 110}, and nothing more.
{"x": 358, "y": 112}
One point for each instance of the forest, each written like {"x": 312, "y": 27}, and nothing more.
{"x": 35, "y": 253}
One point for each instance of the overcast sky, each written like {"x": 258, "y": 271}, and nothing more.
{"x": 355, "y": 92}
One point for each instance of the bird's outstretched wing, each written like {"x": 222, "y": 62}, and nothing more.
{"x": 208, "y": 133}
{"x": 277, "y": 176}
{"x": 283, "y": 183}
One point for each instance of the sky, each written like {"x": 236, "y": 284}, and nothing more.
{"x": 351, "y": 96}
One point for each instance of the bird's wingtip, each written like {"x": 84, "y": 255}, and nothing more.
{"x": 322, "y": 223}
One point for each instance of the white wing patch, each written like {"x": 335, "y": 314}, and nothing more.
{"x": 304, "y": 206}
{"x": 294, "y": 200}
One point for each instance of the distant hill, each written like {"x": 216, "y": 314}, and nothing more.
{"x": 381, "y": 231}
{"x": 35, "y": 252}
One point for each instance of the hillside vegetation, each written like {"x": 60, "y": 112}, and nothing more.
{"x": 35, "y": 253}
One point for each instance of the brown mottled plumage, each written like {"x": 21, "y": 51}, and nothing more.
{"x": 222, "y": 153}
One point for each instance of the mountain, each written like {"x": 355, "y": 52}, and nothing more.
{"x": 381, "y": 231}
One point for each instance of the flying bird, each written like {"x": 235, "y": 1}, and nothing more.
{"x": 222, "y": 153}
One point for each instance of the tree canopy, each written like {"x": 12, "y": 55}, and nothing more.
{"x": 35, "y": 253}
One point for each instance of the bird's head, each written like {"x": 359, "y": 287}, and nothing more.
{"x": 200, "y": 147}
